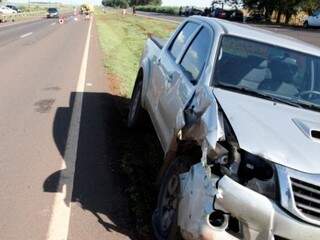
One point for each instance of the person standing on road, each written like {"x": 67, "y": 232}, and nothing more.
{"x": 134, "y": 10}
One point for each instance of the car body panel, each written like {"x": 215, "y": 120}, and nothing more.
{"x": 268, "y": 129}
{"x": 314, "y": 20}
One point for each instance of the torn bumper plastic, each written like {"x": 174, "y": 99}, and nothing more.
{"x": 259, "y": 217}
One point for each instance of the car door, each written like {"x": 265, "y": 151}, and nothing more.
{"x": 317, "y": 19}
{"x": 162, "y": 72}
{"x": 314, "y": 20}
{"x": 180, "y": 88}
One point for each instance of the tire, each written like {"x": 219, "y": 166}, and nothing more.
{"x": 306, "y": 24}
{"x": 135, "y": 109}
{"x": 164, "y": 219}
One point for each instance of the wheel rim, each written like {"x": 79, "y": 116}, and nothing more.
{"x": 135, "y": 103}
{"x": 169, "y": 204}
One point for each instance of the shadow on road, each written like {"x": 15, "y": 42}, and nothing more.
{"x": 96, "y": 185}
{"x": 115, "y": 167}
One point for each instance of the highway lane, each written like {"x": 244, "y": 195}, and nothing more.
{"x": 14, "y": 31}
{"x": 40, "y": 75}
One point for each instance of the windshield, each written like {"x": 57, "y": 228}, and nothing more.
{"x": 52, "y": 10}
{"x": 269, "y": 71}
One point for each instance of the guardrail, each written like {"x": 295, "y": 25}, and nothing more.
{"x": 18, "y": 16}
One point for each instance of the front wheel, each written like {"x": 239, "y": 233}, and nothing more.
{"x": 165, "y": 217}
{"x": 135, "y": 108}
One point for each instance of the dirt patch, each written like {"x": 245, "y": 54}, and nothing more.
{"x": 140, "y": 159}
{"x": 113, "y": 84}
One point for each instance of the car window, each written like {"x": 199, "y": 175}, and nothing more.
{"x": 195, "y": 57}
{"x": 178, "y": 44}
{"x": 52, "y": 10}
{"x": 268, "y": 69}
{"x": 316, "y": 13}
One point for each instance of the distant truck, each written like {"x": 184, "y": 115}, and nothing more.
{"x": 86, "y": 9}
{"x": 237, "y": 112}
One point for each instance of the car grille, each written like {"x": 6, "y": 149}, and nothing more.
{"x": 307, "y": 198}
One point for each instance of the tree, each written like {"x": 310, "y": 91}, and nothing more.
{"x": 115, "y": 3}
{"x": 266, "y": 6}
{"x": 286, "y": 8}
{"x": 222, "y": 3}
{"x": 144, "y": 2}
{"x": 309, "y": 5}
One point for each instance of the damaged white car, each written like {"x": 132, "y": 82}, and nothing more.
{"x": 237, "y": 111}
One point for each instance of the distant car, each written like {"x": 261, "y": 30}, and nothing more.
{"x": 53, "y": 13}
{"x": 7, "y": 11}
{"x": 190, "y": 11}
{"x": 313, "y": 20}
{"x": 14, "y": 8}
{"x": 231, "y": 15}
{"x": 256, "y": 17}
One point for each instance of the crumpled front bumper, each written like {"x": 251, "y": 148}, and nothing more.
{"x": 259, "y": 217}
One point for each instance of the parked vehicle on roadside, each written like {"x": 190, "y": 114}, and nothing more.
{"x": 52, "y": 13}
{"x": 255, "y": 17}
{"x": 231, "y": 15}
{"x": 14, "y": 8}
{"x": 237, "y": 112}
{"x": 86, "y": 9}
{"x": 313, "y": 20}
{"x": 190, "y": 11}
{"x": 7, "y": 11}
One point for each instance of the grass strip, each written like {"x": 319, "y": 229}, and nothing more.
{"x": 122, "y": 38}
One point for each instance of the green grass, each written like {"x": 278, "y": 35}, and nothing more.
{"x": 122, "y": 38}
{"x": 159, "y": 9}
{"x": 140, "y": 156}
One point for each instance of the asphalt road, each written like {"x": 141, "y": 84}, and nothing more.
{"x": 309, "y": 36}
{"x": 55, "y": 176}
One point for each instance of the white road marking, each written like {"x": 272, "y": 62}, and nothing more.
{"x": 26, "y": 35}
{"x": 60, "y": 218}
{"x": 52, "y": 24}
{"x": 158, "y": 18}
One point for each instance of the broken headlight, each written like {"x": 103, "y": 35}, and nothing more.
{"x": 258, "y": 174}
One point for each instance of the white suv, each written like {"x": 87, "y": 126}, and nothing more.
{"x": 313, "y": 21}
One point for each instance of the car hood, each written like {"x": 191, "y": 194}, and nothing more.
{"x": 278, "y": 132}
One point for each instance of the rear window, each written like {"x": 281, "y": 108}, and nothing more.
{"x": 183, "y": 36}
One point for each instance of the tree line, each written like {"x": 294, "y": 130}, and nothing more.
{"x": 285, "y": 8}
{"x": 282, "y": 8}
